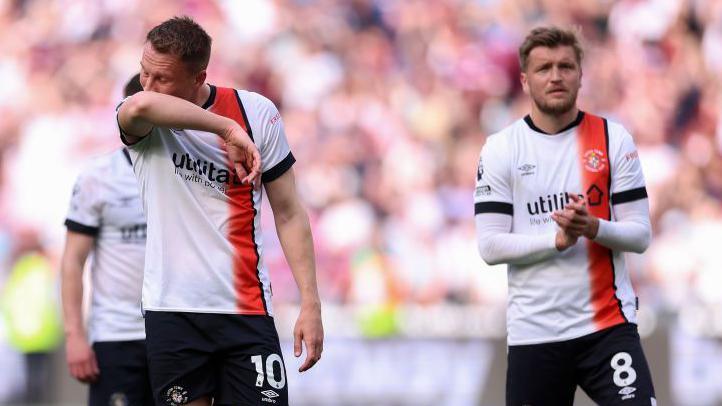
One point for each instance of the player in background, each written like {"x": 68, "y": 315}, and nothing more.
{"x": 106, "y": 219}
{"x": 206, "y": 291}
{"x": 560, "y": 197}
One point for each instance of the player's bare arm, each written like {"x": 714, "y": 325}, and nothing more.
{"x": 79, "y": 355}
{"x": 294, "y": 232}
{"x": 145, "y": 110}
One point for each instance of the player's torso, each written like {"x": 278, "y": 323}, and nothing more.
{"x": 122, "y": 211}
{"x": 204, "y": 225}
{"x": 544, "y": 171}
{"x": 552, "y": 300}
{"x": 118, "y": 255}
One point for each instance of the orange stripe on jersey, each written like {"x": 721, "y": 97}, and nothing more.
{"x": 241, "y": 229}
{"x": 593, "y": 141}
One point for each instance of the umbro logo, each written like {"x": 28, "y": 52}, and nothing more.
{"x": 269, "y": 393}
{"x": 627, "y": 392}
{"x": 527, "y": 169}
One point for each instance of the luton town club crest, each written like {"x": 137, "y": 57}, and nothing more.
{"x": 594, "y": 160}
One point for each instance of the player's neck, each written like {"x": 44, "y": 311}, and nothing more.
{"x": 552, "y": 124}
{"x": 204, "y": 92}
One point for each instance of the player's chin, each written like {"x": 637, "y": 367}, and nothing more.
{"x": 555, "y": 105}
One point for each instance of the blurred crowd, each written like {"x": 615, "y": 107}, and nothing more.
{"x": 386, "y": 104}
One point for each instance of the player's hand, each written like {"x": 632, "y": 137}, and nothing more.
{"x": 575, "y": 219}
{"x": 81, "y": 359}
{"x": 308, "y": 330}
{"x": 243, "y": 154}
{"x": 564, "y": 240}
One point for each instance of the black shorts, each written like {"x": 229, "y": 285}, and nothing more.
{"x": 608, "y": 365}
{"x": 234, "y": 359}
{"x": 123, "y": 379}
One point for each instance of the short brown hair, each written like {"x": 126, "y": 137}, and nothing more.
{"x": 182, "y": 37}
{"x": 550, "y": 37}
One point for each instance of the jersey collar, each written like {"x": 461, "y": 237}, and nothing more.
{"x": 127, "y": 156}
{"x": 211, "y": 97}
{"x": 530, "y": 123}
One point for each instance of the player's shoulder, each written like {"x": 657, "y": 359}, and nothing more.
{"x": 618, "y": 134}
{"x": 95, "y": 171}
{"x": 102, "y": 167}
{"x": 615, "y": 129}
{"x": 101, "y": 163}
{"x": 501, "y": 140}
{"x": 262, "y": 112}
{"x": 256, "y": 102}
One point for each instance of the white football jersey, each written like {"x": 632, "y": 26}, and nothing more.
{"x": 528, "y": 174}
{"x": 204, "y": 251}
{"x": 106, "y": 205}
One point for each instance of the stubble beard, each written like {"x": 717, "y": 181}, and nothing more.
{"x": 556, "y": 108}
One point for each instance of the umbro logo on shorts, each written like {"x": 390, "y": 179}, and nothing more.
{"x": 271, "y": 394}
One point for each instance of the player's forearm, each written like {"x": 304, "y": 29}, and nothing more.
{"x": 517, "y": 249}
{"x": 145, "y": 110}
{"x": 627, "y": 236}
{"x": 498, "y": 246}
{"x": 72, "y": 297}
{"x": 294, "y": 233}
{"x": 630, "y": 232}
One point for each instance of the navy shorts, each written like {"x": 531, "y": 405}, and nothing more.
{"x": 123, "y": 379}
{"x": 608, "y": 365}
{"x": 234, "y": 359}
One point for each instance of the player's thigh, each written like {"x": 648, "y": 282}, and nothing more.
{"x": 539, "y": 375}
{"x": 253, "y": 371}
{"x": 614, "y": 370}
{"x": 123, "y": 379}
{"x": 180, "y": 358}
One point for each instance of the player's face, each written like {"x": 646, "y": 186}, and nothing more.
{"x": 552, "y": 79}
{"x": 167, "y": 74}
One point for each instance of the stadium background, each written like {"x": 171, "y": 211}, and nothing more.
{"x": 386, "y": 105}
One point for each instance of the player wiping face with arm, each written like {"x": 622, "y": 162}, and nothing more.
{"x": 207, "y": 289}
{"x": 141, "y": 112}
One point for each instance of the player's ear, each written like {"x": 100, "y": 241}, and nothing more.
{"x": 581, "y": 75}
{"x": 524, "y": 82}
{"x": 200, "y": 78}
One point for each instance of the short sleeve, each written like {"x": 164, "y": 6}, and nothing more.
{"x": 122, "y": 132}
{"x": 493, "y": 193}
{"x": 276, "y": 156}
{"x": 84, "y": 211}
{"x": 627, "y": 178}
